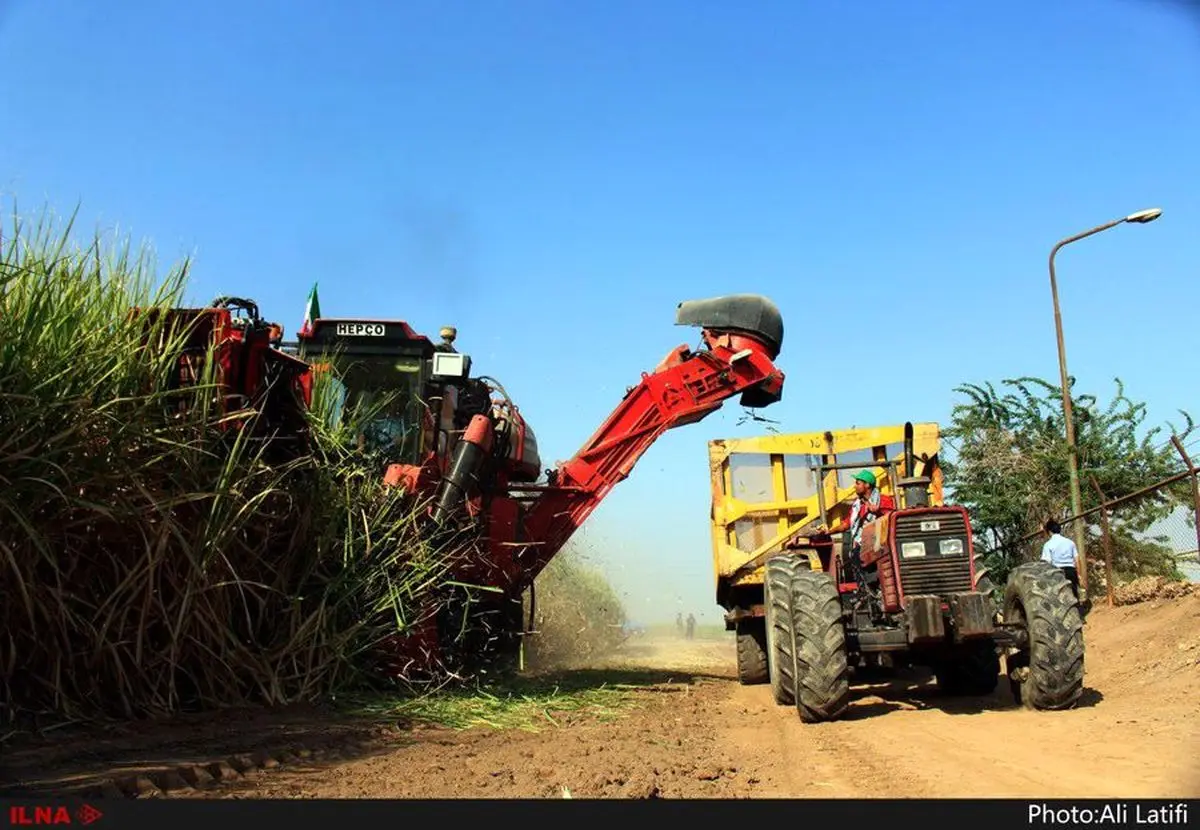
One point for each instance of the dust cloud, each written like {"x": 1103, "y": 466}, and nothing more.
{"x": 578, "y": 617}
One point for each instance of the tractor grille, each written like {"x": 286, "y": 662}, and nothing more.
{"x": 935, "y": 572}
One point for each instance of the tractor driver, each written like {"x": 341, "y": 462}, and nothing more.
{"x": 869, "y": 505}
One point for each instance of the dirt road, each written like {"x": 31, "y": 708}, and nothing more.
{"x": 698, "y": 733}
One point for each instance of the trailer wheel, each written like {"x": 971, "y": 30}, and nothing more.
{"x": 973, "y": 671}
{"x": 781, "y": 641}
{"x": 751, "y": 651}
{"x": 822, "y": 674}
{"x": 1048, "y": 672}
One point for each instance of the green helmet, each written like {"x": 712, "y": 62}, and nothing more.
{"x": 867, "y": 476}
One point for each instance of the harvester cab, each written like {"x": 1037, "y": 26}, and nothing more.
{"x": 411, "y": 402}
{"x": 371, "y": 377}
{"x": 811, "y": 609}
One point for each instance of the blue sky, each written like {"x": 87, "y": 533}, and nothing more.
{"x": 552, "y": 178}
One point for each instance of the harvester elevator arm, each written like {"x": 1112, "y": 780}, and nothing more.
{"x": 742, "y": 335}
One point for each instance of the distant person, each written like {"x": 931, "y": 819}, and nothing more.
{"x": 691, "y": 627}
{"x": 679, "y": 623}
{"x": 1061, "y": 552}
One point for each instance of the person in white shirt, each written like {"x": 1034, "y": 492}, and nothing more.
{"x": 1061, "y": 552}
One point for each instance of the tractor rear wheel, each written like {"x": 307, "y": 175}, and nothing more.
{"x": 751, "y": 651}
{"x": 822, "y": 674}
{"x": 973, "y": 671}
{"x": 1048, "y": 672}
{"x": 781, "y": 641}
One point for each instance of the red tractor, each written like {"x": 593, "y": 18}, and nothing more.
{"x": 916, "y": 593}
{"x": 461, "y": 442}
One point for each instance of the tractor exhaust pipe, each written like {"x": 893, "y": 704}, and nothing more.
{"x": 910, "y": 459}
{"x": 916, "y": 492}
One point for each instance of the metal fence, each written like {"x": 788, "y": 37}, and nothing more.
{"x": 1144, "y": 533}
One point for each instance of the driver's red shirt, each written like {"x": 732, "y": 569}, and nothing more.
{"x": 886, "y": 505}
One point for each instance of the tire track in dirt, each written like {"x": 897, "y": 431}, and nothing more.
{"x": 816, "y": 760}
{"x": 1023, "y": 754}
{"x": 1135, "y": 734}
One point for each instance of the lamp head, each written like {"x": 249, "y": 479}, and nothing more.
{"x": 1144, "y": 216}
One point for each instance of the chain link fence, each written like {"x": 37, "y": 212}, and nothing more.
{"x": 1139, "y": 546}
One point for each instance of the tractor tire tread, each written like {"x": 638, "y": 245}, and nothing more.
{"x": 751, "y": 652}
{"x": 782, "y": 642}
{"x": 822, "y": 678}
{"x": 1055, "y": 627}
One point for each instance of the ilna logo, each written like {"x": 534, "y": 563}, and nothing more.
{"x": 23, "y": 816}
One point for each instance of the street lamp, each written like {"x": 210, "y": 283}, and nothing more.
{"x": 1141, "y": 218}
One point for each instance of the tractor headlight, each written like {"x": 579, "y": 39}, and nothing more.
{"x": 909, "y": 550}
{"x": 950, "y": 547}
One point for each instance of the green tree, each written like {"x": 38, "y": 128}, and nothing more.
{"x": 1010, "y": 469}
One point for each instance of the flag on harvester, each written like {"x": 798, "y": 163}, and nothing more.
{"x": 312, "y": 311}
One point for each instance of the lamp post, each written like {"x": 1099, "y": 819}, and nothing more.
{"x": 1141, "y": 218}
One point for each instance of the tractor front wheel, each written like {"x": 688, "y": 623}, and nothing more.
{"x": 781, "y": 640}
{"x": 822, "y": 673}
{"x": 1048, "y": 672}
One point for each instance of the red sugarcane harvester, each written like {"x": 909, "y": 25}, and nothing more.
{"x": 461, "y": 443}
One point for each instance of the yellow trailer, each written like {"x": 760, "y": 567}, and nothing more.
{"x": 794, "y": 492}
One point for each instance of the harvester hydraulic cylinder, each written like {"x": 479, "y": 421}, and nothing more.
{"x": 472, "y": 448}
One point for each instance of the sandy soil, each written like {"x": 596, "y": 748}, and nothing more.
{"x": 697, "y": 733}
